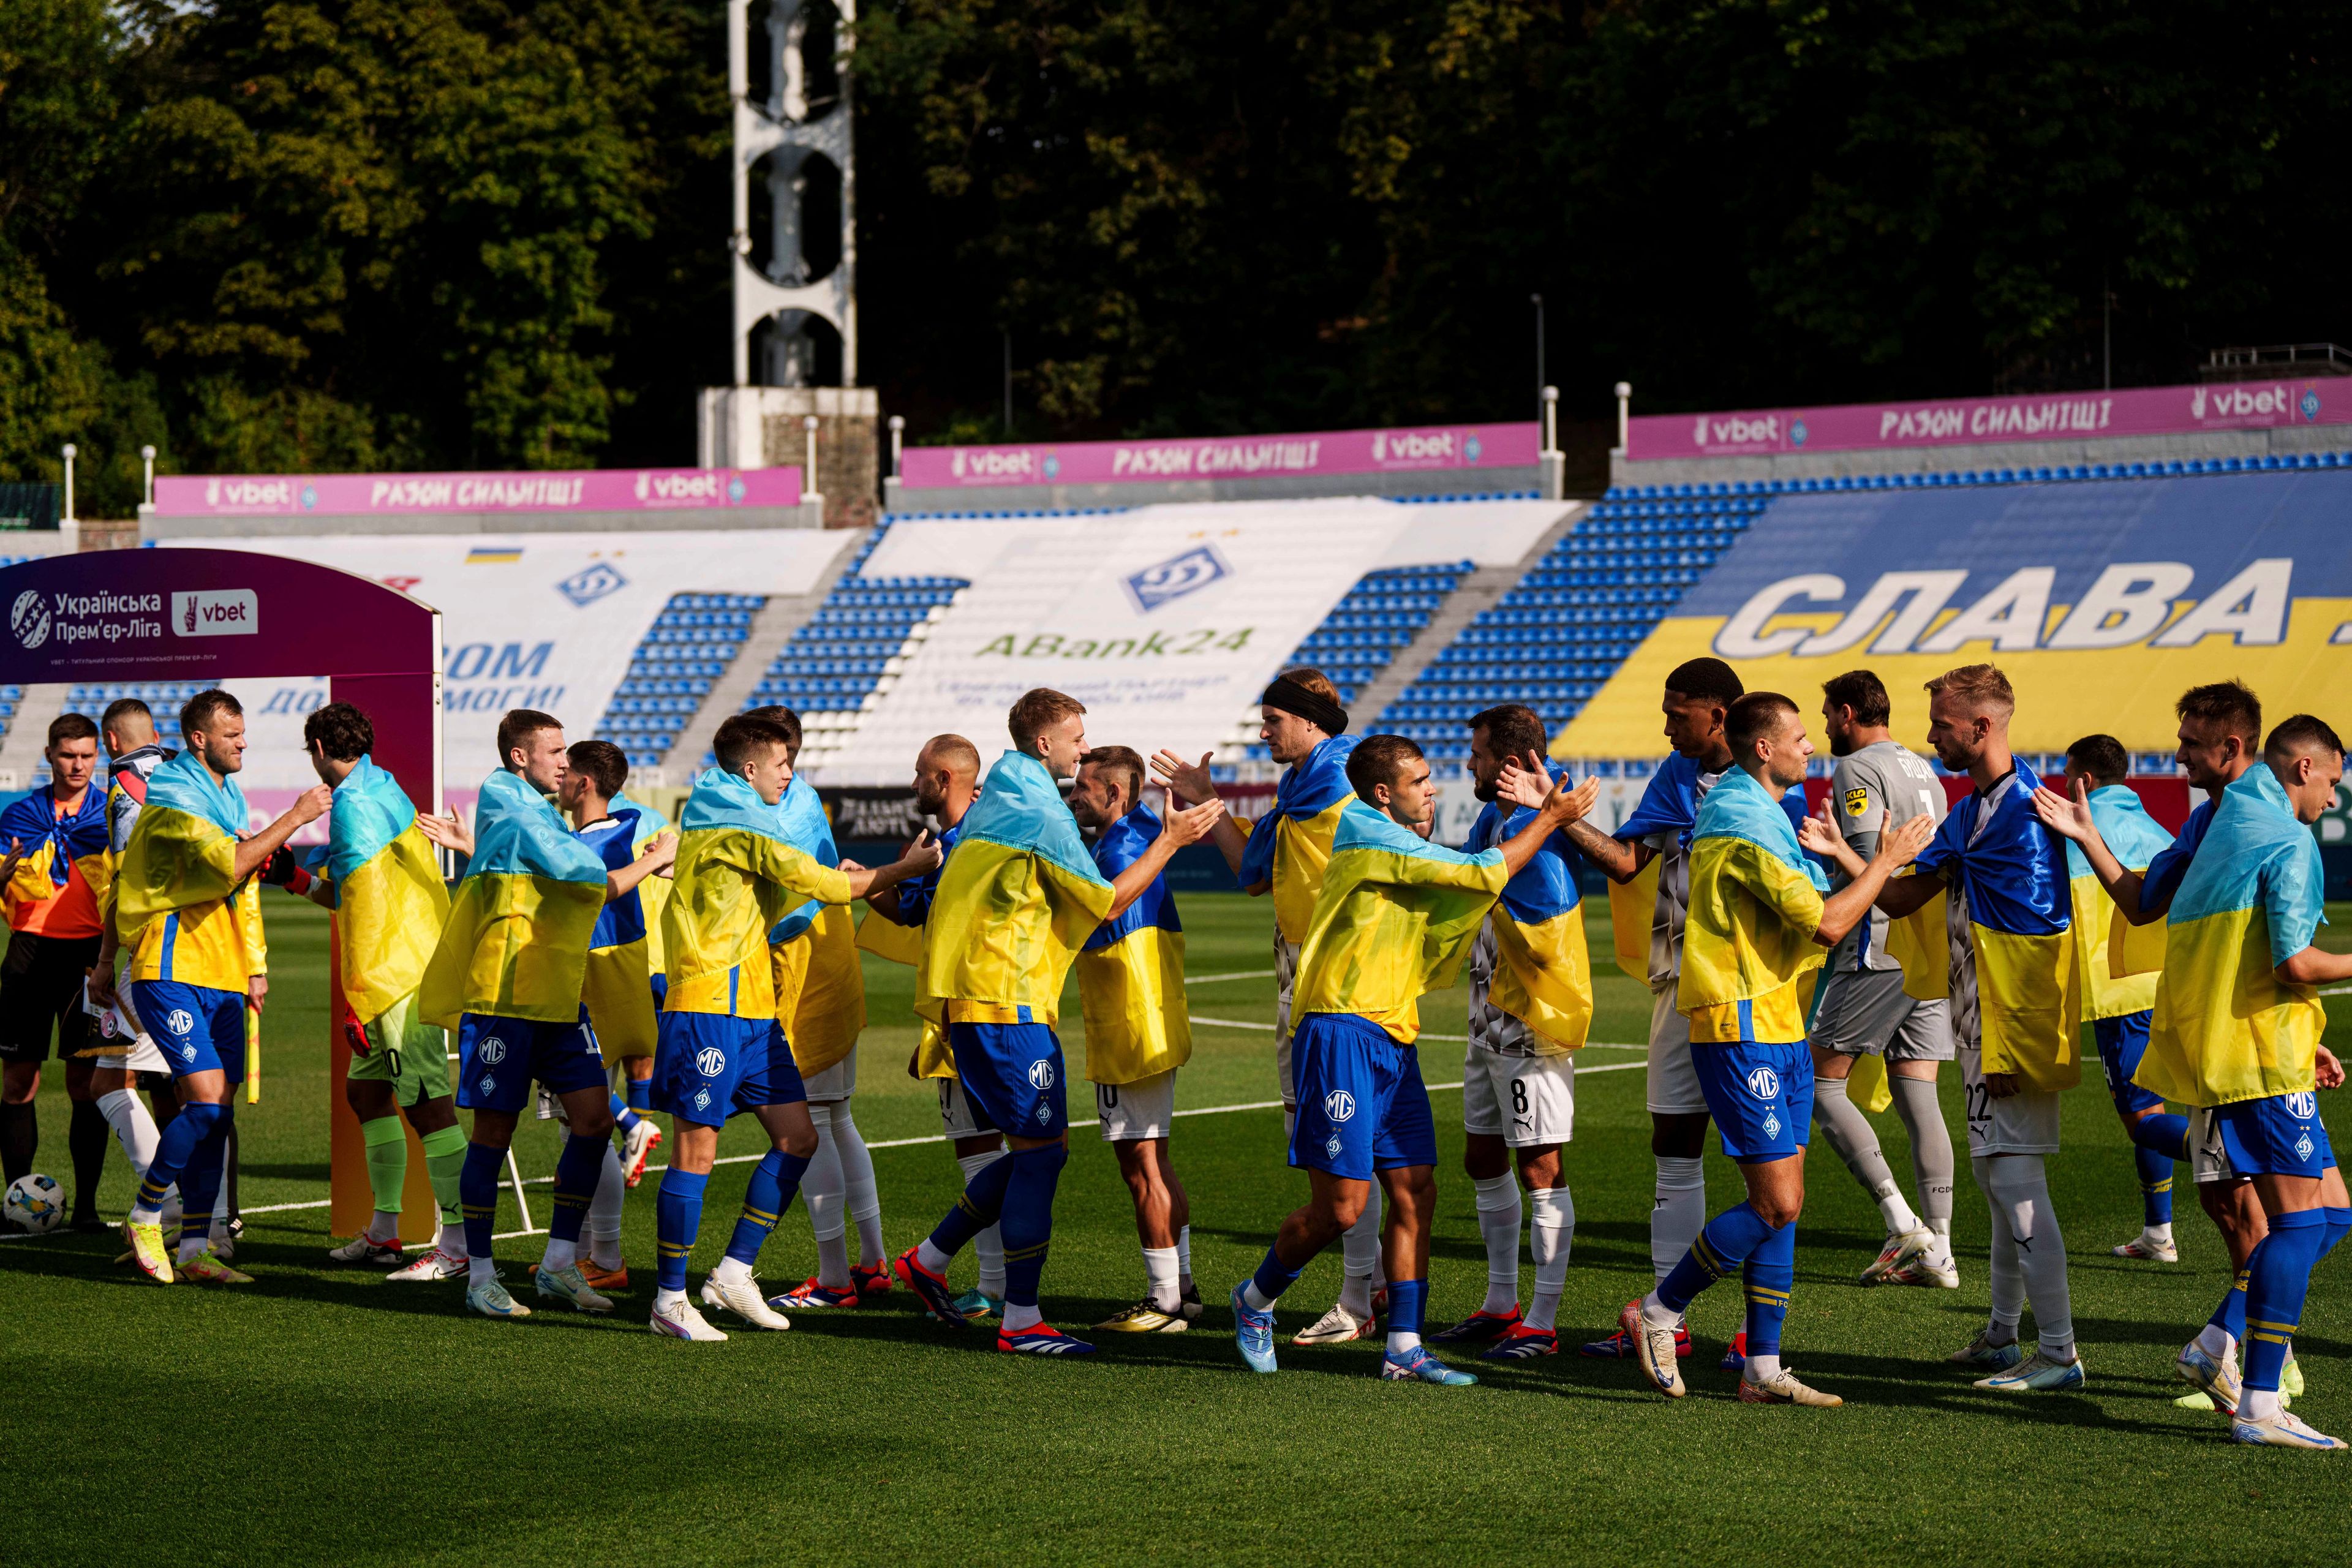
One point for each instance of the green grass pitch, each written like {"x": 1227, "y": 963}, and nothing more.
{"x": 326, "y": 1415}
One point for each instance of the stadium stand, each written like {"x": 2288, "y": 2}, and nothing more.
{"x": 1384, "y": 612}
{"x": 689, "y": 645}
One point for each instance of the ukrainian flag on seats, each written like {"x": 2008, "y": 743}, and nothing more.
{"x": 390, "y": 900}
{"x": 517, "y": 942}
{"x": 1755, "y": 903}
{"x": 2118, "y": 960}
{"x": 625, "y": 958}
{"x": 1292, "y": 843}
{"x": 177, "y": 903}
{"x": 820, "y": 985}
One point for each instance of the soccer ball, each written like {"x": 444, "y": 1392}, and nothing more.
{"x": 36, "y": 1202}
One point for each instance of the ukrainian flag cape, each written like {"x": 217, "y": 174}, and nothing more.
{"x": 2117, "y": 958}
{"x": 1017, "y": 901}
{"x": 181, "y": 860}
{"x": 820, "y": 986}
{"x": 1749, "y": 876}
{"x": 900, "y": 940}
{"x": 1290, "y": 845}
{"x": 1395, "y": 919}
{"x": 390, "y": 900}
{"x": 625, "y": 953}
{"x": 517, "y": 942}
{"x": 2224, "y": 1028}
{"x": 1131, "y": 971}
{"x": 54, "y": 846}
{"x": 1543, "y": 974}
{"x": 1669, "y": 803}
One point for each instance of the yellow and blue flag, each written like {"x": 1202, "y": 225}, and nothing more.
{"x": 178, "y": 905}
{"x": 1396, "y": 917}
{"x": 735, "y": 877}
{"x": 517, "y": 942}
{"x": 623, "y": 981}
{"x": 897, "y": 938}
{"x": 390, "y": 900}
{"x": 1543, "y": 972}
{"x": 1131, "y": 971}
{"x": 63, "y": 877}
{"x": 2225, "y": 1028}
{"x": 1015, "y": 902}
{"x": 1755, "y": 903}
{"x": 812, "y": 951}
{"x": 1292, "y": 843}
{"x": 2118, "y": 960}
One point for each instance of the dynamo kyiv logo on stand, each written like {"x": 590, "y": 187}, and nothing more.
{"x": 1178, "y": 575}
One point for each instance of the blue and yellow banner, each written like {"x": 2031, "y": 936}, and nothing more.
{"x": 1131, "y": 971}
{"x": 390, "y": 900}
{"x": 812, "y": 951}
{"x": 2118, "y": 960}
{"x": 1755, "y": 903}
{"x": 620, "y": 984}
{"x": 1291, "y": 843}
{"x": 517, "y": 942}
{"x": 735, "y": 877}
{"x": 42, "y": 897}
{"x": 1543, "y": 971}
{"x": 177, "y": 904}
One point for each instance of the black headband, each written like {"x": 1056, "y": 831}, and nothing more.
{"x": 1292, "y": 698}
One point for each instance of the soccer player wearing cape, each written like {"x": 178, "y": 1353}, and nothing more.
{"x": 1530, "y": 1007}
{"x": 1757, "y": 922}
{"x": 722, "y": 1049}
{"x": 1014, "y": 905}
{"x": 624, "y": 980}
{"x": 1283, "y": 853}
{"x": 2016, "y": 1016}
{"x": 187, "y": 905}
{"x": 1139, "y": 1030}
{"x": 508, "y": 977}
{"x": 1395, "y": 918}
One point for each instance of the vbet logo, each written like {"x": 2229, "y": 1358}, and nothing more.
{"x": 2267, "y": 403}
{"x": 216, "y": 612}
{"x": 1179, "y": 574}
{"x": 1734, "y": 430}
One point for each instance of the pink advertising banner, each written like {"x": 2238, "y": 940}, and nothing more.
{"x": 1966, "y": 421}
{"x": 587, "y": 489}
{"x": 1321, "y": 452}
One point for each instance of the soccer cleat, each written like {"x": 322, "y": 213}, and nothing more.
{"x": 2037, "y": 1373}
{"x": 1479, "y": 1328}
{"x": 492, "y": 1301}
{"x": 146, "y": 1243}
{"x": 682, "y": 1321}
{"x": 1617, "y": 1347}
{"x": 1417, "y": 1365}
{"x": 640, "y": 1140}
{"x": 1522, "y": 1343}
{"x": 367, "y": 1250}
{"x": 974, "y": 1304}
{"x": 1982, "y": 1352}
{"x": 600, "y": 1278}
{"x": 1898, "y": 1251}
{"x": 1336, "y": 1326}
{"x": 2217, "y": 1380}
{"x": 1040, "y": 1339}
{"x": 1656, "y": 1349}
{"x": 206, "y": 1269}
{"x": 1143, "y": 1318}
{"x": 435, "y": 1265}
{"x": 568, "y": 1284}
{"x": 812, "y": 1292}
{"x": 2282, "y": 1431}
{"x": 1782, "y": 1388}
{"x": 929, "y": 1289}
{"x": 2142, "y": 1247}
{"x": 742, "y": 1298}
{"x": 870, "y": 1281}
{"x": 1924, "y": 1270}
{"x": 1253, "y": 1333}
{"x": 1734, "y": 1354}
{"x": 1189, "y": 1303}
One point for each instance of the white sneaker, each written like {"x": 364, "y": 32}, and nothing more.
{"x": 745, "y": 1302}
{"x": 1926, "y": 1269}
{"x": 1335, "y": 1327}
{"x": 1898, "y": 1251}
{"x": 2148, "y": 1248}
{"x": 367, "y": 1250}
{"x": 2281, "y": 1431}
{"x": 435, "y": 1265}
{"x": 683, "y": 1322}
{"x": 568, "y": 1284}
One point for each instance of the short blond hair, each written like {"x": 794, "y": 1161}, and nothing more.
{"x": 1038, "y": 710}
{"x": 1980, "y": 686}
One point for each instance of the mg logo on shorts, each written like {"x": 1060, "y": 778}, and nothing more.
{"x": 1040, "y": 1075}
{"x": 492, "y": 1051}
{"x": 2303, "y": 1107}
{"x": 179, "y": 1022}
{"x": 1339, "y": 1105}
{"x": 1764, "y": 1084}
{"x": 710, "y": 1061}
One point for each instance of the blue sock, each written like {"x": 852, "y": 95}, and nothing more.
{"x": 180, "y": 1137}
{"x": 478, "y": 1195}
{"x": 624, "y": 1117}
{"x": 200, "y": 1178}
{"x": 774, "y": 1181}
{"x": 1720, "y": 1250}
{"x": 2281, "y": 1277}
{"x": 2230, "y": 1317}
{"x": 2162, "y": 1133}
{"x": 1406, "y": 1299}
{"x": 2155, "y": 1169}
{"x": 677, "y": 1216}
{"x": 2339, "y": 1221}
{"x": 577, "y": 1171}
{"x": 1027, "y": 1222}
{"x": 641, "y": 1094}
{"x": 981, "y": 1204}
{"x": 1274, "y": 1277}
{"x": 1769, "y": 1274}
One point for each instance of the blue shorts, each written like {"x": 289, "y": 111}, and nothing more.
{"x": 2280, "y": 1136}
{"x": 498, "y": 1058}
{"x": 1012, "y": 1076}
{"x": 1761, "y": 1097}
{"x": 2122, "y": 1041}
{"x": 1361, "y": 1104}
{"x": 708, "y": 1065}
{"x": 197, "y": 1029}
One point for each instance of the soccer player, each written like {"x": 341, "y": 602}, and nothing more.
{"x": 1013, "y": 906}
{"x": 1305, "y": 727}
{"x": 2016, "y": 1012}
{"x": 508, "y": 977}
{"x": 2117, "y": 1003}
{"x": 1531, "y": 1007}
{"x": 1396, "y": 916}
{"x": 722, "y": 1049}
{"x": 53, "y": 872}
{"x": 946, "y": 782}
{"x": 382, "y": 879}
{"x": 1755, "y": 923}
{"x": 187, "y": 904}
{"x": 1882, "y": 993}
{"x": 1138, "y": 1028}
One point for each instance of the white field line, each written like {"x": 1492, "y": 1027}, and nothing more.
{"x": 1236, "y": 975}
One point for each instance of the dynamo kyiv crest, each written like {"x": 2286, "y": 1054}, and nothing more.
{"x": 1178, "y": 575}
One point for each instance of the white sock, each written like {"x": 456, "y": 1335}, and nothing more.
{"x": 480, "y": 1271}
{"x": 142, "y": 1214}
{"x": 134, "y": 1127}
{"x": 821, "y": 1194}
{"x": 1259, "y": 1302}
{"x": 2157, "y": 1232}
{"x": 664, "y": 1301}
{"x": 2260, "y": 1403}
{"x": 1900, "y": 1220}
{"x": 1019, "y": 1318}
{"x": 1762, "y": 1368}
{"x": 732, "y": 1271}
{"x": 603, "y": 1226}
{"x": 384, "y": 1226}
{"x": 1657, "y": 1314}
{"x": 1159, "y": 1269}
{"x": 1678, "y": 1213}
{"x": 1498, "y": 1222}
{"x": 859, "y": 1190}
{"x": 1184, "y": 1258}
{"x": 2020, "y": 1190}
{"x": 931, "y": 1257}
{"x": 561, "y": 1254}
{"x": 2217, "y": 1342}
{"x": 192, "y": 1243}
{"x": 988, "y": 1246}
{"x": 1551, "y": 1231}
{"x": 1401, "y": 1341}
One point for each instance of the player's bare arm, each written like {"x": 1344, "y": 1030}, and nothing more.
{"x": 923, "y": 856}
{"x": 1189, "y": 782}
{"x": 1819, "y": 838}
{"x": 2069, "y": 816}
{"x": 1908, "y": 895}
{"x": 448, "y": 832}
{"x": 1189, "y": 825}
{"x": 660, "y": 855}
{"x": 1850, "y": 905}
{"x": 2314, "y": 966}
{"x": 307, "y": 807}
{"x": 1559, "y": 809}
{"x": 1527, "y": 782}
